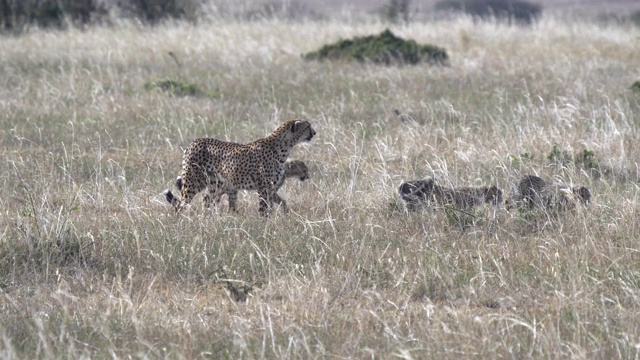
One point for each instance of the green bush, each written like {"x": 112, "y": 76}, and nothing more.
{"x": 522, "y": 12}
{"x": 385, "y": 48}
{"x": 635, "y": 87}
{"x": 587, "y": 160}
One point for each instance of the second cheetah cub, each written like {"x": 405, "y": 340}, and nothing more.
{"x": 292, "y": 168}
{"x": 533, "y": 191}
{"x": 417, "y": 192}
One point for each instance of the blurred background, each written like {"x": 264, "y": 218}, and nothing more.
{"x": 17, "y": 15}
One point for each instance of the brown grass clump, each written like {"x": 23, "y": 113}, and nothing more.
{"x": 94, "y": 264}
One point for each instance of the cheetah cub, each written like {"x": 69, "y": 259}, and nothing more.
{"x": 292, "y": 168}
{"x": 417, "y": 192}
{"x": 533, "y": 191}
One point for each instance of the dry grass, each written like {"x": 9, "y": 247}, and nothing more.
{"x": 93, "y": 263}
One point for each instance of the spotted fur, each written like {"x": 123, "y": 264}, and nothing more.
{"x": 227, "y": 167}
{"x": 292, "y": 168}
{"x": 417, "y": 192}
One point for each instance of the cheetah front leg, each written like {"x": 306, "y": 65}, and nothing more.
{"x": 233, "y": 200}
{"x": 280, "y": 201}
{"x": 265, "y": 203}
{"x": 215, "y": 192}
{"x": 268, "y": 199}
{"x": 191, "y": 185}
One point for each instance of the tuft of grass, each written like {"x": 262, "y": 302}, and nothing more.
{"x": 517, "y": 162}
{"x": 559, "y": 157}
{"x": 175, "y": 87}
{"x": 587, "y": 160}
{"x": 461, "y": 219}
{"x": 385, "y": 48}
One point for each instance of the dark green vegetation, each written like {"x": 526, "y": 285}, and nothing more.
{"x": 560, "y": 158}
{"x": 521, "y": 12}
{"x": 15, "y": 15}
{"x": 385, "y": 48}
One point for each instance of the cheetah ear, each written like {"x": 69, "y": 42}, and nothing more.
{"x": 294, "y": 126}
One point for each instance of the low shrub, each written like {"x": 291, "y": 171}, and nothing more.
{"x": 385, "y": 48}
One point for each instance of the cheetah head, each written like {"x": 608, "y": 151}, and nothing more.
{"x": 296, "y": 168}
{"x": 493, "y": 195}
{"x": 301, "y": 129}
{"x": 583, "y": 194}
{"x": 413, "y": 192}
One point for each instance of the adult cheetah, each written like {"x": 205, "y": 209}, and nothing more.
{"x": 533, "y": 191}
{"x": 225, "y": 167}
{"x": 416, "y": 192}
{"x": 292, "y": 168}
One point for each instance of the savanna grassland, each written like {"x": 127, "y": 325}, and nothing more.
{"x": 94, "y": 263}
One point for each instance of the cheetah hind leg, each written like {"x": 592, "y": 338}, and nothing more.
{"x": 208, "y": 200}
